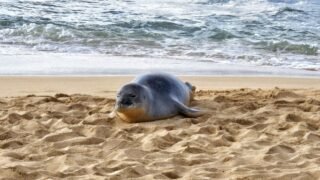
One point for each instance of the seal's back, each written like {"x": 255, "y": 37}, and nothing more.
{"x": 165, "y": 85}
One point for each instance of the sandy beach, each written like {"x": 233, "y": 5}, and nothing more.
{"x": 255, "y": 66}
{"x": 256, "y": 128}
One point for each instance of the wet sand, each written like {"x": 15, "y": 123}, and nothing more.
{"x": 108, "y": 85}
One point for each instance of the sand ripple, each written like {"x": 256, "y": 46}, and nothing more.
{"x": 248, "y": 134}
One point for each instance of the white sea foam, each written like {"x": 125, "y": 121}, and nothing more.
{"x": 277, "y": 33}
{"x": 75, "y": 64}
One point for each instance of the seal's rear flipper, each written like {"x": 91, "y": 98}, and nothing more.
{"x": 190, "y": 112}
{"x": 192, "y": 89}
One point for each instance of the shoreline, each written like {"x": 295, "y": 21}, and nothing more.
{"x": 102, "y": 65}
{"x": 178, "y": 75}
{"x": 108, "y": 85}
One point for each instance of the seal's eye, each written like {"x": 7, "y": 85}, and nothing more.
{"x": 132, "y": 95}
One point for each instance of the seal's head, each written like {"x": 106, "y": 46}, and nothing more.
{"x": 131, "y": 103}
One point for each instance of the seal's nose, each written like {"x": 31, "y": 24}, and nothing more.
{"x": 126, "y": 102}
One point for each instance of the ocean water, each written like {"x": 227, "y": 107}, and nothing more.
{"x": 281, "y": 34}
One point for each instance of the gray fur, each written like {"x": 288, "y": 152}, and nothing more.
{"x": 160, "y": 95}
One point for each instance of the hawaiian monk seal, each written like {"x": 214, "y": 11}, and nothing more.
{"x": 154, "y": 96}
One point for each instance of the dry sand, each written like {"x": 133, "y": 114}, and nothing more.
{"x": 268, "y": 133}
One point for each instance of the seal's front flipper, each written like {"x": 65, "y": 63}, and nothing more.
{"x": 112, "y": 114}
{"x": 190, "y": 112}
{"x": 192, "y": 90}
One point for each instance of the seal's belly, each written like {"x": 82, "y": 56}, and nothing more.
{"x": 133, "y": 115}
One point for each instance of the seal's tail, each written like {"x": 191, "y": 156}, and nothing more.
{"x": 192, "y": 89}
